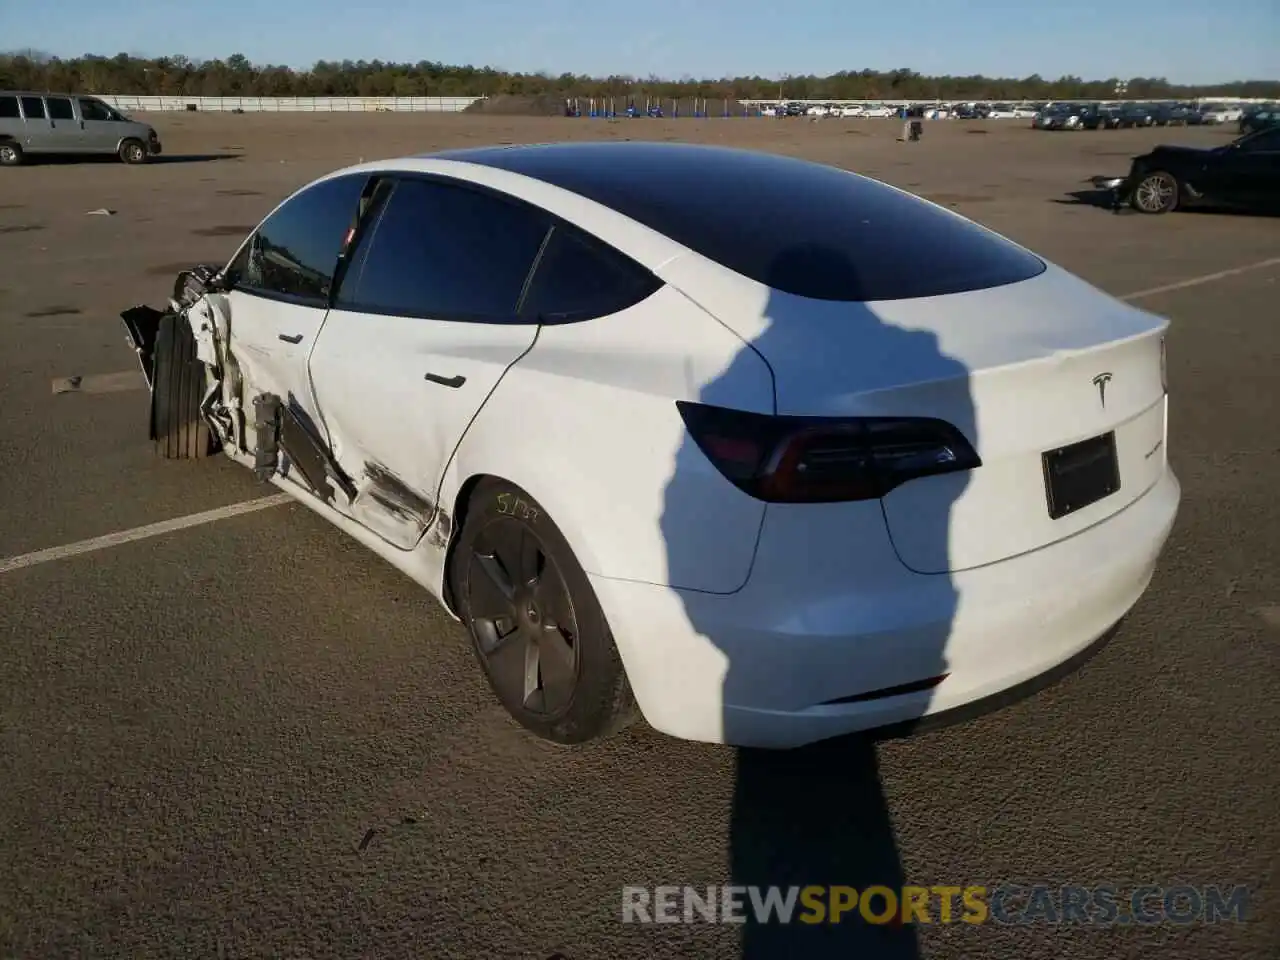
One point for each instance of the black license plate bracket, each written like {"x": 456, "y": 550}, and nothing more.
{"x": 1080, "y": 474}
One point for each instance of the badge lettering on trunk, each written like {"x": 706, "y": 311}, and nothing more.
{"x": 1101, "y": 381}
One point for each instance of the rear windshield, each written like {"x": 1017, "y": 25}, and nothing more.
{"x": 799, "y": 227}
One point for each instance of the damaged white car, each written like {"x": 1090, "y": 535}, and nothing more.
{"x": 832, "y": 459}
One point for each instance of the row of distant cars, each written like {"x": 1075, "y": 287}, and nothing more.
{"x": 1113, "y": 116}
{"x": 1054, "y": 115}
{"x": 937, "y": 111}
{"x": 880, "y": 110}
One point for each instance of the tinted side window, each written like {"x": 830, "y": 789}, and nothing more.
{"x": 445, "y": 252}
{"x": 8, "y": 108}
{"x": 33, "y": 107}
{"x": 94, "y": 110}
{"x": 295, "y": 252}
{"x": 59, "y": 108}
{"x": 579, "y": 278}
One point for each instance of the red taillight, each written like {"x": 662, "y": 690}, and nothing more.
{"x": 824, "y": 459}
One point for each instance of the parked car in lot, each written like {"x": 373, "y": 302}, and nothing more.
{"x": 1260, "y": 118}
{"x": 1244, "y": 174}
{"x": 1135, "y": 115}
{"x": 1210, "y": 114}
{"x": 35, "y": 124}
{"x": 1170, "y": 114}
{"x": 771, "y": 485}
{"x": 877, "y": 111}
{"x": 1060, "y": 116}
{"x": 1100, "y": 117}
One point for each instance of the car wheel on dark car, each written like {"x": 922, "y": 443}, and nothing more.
{"x": 1156, "y": 192}
{"x": 535, "y": 623}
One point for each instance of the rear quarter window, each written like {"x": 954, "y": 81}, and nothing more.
{"x": 580, "y": 278}
{"x": 9, "y": 108}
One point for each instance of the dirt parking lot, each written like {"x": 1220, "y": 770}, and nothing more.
{"x": 251, "y": 738}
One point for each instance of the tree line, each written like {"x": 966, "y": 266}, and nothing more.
{"x": 236, "y": 76}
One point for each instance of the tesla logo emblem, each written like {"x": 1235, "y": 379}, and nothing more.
{"x": 1101, "y": 381}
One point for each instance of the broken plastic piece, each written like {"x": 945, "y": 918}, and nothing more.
{"x": 266, "y": 428}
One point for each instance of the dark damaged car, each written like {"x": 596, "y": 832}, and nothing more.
{"x": 1243, "y": 175}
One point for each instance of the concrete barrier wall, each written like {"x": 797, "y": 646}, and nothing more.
{"x": 141, "y": 104}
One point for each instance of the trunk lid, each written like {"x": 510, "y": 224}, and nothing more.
{"x": 1020, "y": 369}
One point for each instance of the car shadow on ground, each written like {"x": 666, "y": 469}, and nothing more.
{"x": 817, "y": 816}
{"x": 63, "y": 160}
{"x": 195, "y": 157}
{"x": 1102, "y": 199}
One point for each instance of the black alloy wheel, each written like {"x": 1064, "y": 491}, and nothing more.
{"x": 525, "y": 627}
{"x": 535, "y": 622}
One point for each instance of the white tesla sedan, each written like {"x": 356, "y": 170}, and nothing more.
{"x": 770, "y": 450}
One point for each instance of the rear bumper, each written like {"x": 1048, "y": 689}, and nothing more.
{"x": 761, "y": 667}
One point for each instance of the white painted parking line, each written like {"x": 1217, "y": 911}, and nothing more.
{"x": 120, "y": 382}
{"x": 1207, "y": 278}
{"x": 10, "y": 564}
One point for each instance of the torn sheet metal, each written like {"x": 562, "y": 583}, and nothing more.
{"x": 143, "y": 323}
{"x": 200, "y": 316}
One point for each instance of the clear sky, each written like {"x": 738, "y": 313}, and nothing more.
{"x": 1187, "y": 41}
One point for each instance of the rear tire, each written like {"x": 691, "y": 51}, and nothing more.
{"x": 133, "y": 152}
{"x": 536, "y": 626}
{"x": 1157, "y": 192}
{"x": 179, "y": 431}
{"x": 10, "y": 154}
